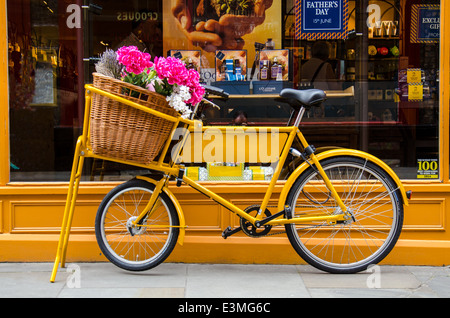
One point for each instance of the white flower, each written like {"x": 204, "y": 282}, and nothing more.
{"x": 186, "y": 114}
{"x": 183, "y": 92}
{"x": 178, "y": 100}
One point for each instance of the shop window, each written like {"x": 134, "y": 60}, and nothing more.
{"x": 53, "y": 46}
{"x": 383, "y": 72}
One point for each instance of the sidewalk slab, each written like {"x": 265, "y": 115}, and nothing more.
{"x": 28, "y": 284}
{"x": 244, "y": 281}
{"x": 381, "y": 277}
{"x": 168, "y": 280}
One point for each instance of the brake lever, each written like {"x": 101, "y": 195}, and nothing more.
{"x": 211, "y": 103}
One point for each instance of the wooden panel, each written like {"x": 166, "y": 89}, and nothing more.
{"x": 46, "y": 216}
{"x": 202, "y": 215}
{"x": 425, "y": 214}
{"x": 32, "y": 218}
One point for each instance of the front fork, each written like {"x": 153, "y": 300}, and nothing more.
{"x": 328, "y": 183}
{"x": 150, "y": 207}
{"x": 309, "y": 156}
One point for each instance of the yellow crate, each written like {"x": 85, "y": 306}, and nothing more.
{"x": 193, "y": 173}
{"x": 219, "y": 172}
{"x": 258, "y": 173}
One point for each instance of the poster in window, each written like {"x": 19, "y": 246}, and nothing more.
{"x": 427, "y": 169}
{"x": 205, "y": 25}
{"x": 45, "y": 85}
{"x": 192, "y": 58}
{"x": 321, "y": 19}
{"x": 231, "y": 65}
{"x": 425, "y": 23}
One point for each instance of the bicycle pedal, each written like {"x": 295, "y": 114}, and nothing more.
{"x": 229, "y": 231}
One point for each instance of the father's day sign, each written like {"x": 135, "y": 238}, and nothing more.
{"x": 321, "y": 19}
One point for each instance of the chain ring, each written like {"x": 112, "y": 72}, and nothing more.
{"x": 249, "y": 229}
{"x": 263, "y": 233}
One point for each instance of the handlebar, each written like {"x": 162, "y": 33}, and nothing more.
{"x": 216, "y": 91}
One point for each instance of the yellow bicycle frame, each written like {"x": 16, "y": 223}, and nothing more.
{"x": 315, "y": 159}
{"x": 337, "y": 153}
{"x": 83, "y": 150}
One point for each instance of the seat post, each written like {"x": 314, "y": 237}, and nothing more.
{"x": 299, "y": 118}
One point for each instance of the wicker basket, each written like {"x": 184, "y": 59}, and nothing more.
{"x": 119, "y": 131}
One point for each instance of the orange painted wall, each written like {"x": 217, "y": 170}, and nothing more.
{"x": 31, "y": 214}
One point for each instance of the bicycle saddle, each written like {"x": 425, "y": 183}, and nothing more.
{"x": 307, "y": 97}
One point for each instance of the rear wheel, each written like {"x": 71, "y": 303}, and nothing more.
{"x": 371, "y": 197}
{"x": 136, "y": 248}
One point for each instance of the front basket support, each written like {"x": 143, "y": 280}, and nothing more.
{"x": 74, "y": 184}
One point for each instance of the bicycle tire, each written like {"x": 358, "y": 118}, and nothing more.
{"x": 371, "y": 196}
{"x": 136, "y": 248}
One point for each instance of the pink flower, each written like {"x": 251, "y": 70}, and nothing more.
{"x": 134, "y": 60}
{"x": 193, "y": 78}
{"x": 197, "y": 93}
{"x": 171, "y": 69}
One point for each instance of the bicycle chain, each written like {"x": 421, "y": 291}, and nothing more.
{"x": 276, "y": 233}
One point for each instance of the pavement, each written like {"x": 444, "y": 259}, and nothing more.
{"x": 220, "y": 281}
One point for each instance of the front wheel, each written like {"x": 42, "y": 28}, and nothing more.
{"x": 373, "y": 201}
{"x": 131, "y": 247}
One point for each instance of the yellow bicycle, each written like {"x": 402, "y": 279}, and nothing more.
{"x": 342, "y": 209}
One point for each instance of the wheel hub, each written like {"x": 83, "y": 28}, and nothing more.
{"x": 133, "y": 229}
{"x": 349, "y": 217}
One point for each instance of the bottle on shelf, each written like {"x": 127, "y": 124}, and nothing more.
{"x": 223, "y": 72}
{"x": 237, "y": 67}
{"x": 275, "y": 69}
{"x": 264, "y": 71}
{"x": 238, "y": 70}
{"x": 190, "y": 65}
{"x": 270, "y": 44}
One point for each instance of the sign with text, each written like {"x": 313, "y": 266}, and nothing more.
{"x": 415, "y": 92}
{"x": 413, "y": 75}
{"x": 425, "y": 23}
{"x": 427, "y": 169}
{"x": 321, "y": 19}
{"x": 415, "y": 84}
